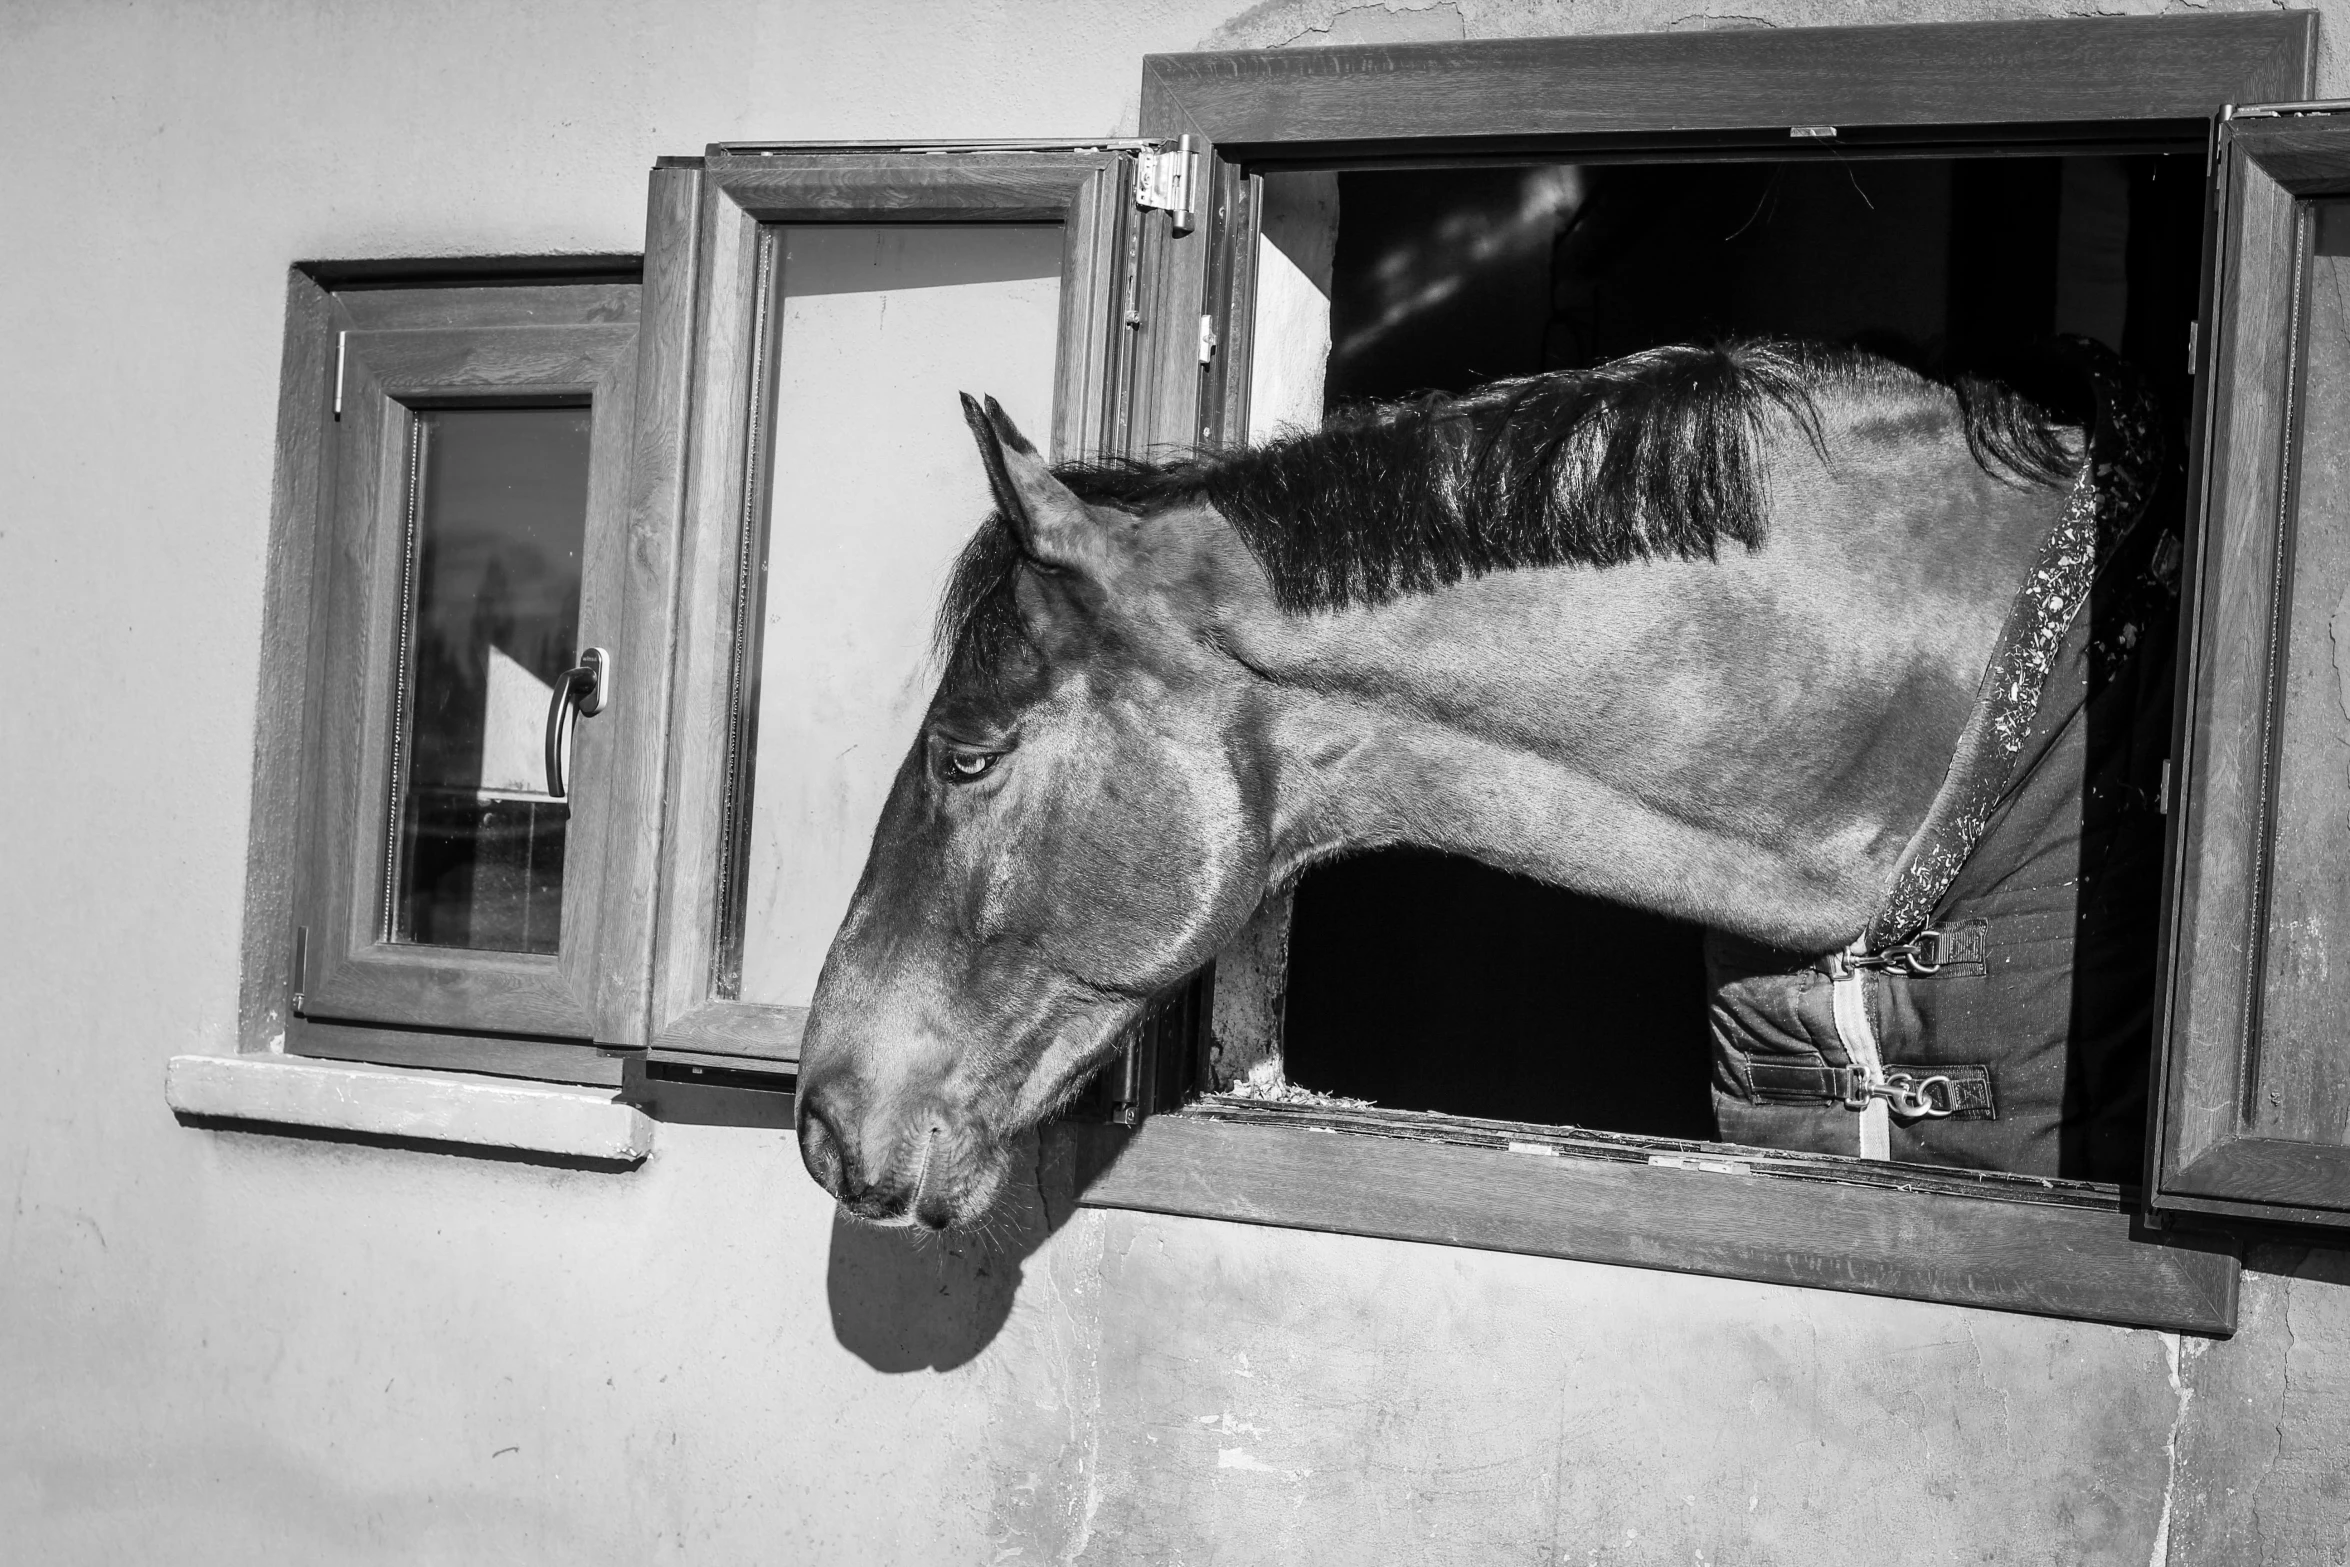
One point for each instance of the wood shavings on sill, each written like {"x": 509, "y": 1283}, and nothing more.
{"x": 1266, "y": 1084}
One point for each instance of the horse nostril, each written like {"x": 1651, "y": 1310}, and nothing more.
{"x": 821, "y": 1149}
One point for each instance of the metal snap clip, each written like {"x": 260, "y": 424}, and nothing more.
{"x": 1921, "y": 954}
{"x": 1913, "y": 1098}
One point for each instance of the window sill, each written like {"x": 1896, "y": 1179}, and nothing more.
{"x": 264, "y": 1092}
{"x": 2011, "y": 1243}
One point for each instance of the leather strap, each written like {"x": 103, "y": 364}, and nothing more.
{"x": 1970, "y": 1095}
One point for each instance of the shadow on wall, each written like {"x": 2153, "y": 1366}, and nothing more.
{"x": 909, "y": 1300}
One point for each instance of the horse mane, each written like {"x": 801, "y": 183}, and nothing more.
{"x": 1649, "y": 456}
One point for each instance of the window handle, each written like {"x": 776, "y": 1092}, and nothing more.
{"x": 579, "y": 691}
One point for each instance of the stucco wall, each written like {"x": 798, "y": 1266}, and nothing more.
{"x": 232, "y": 1347}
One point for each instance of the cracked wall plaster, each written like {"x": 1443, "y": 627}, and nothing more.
{"x": 1277, "y": 1396}
{"x": 2263, "y": 1477}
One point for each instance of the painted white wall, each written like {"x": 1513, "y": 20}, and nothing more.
{"x": 228, "y": 1347}
{"x": 1289, "y": 358}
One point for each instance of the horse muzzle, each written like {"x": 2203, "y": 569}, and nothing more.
{"x": 889, "y": 1168}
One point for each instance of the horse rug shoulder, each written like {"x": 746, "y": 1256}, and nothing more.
{"x": 2032, "y": 997}
{"x": 2039, "y": 1011}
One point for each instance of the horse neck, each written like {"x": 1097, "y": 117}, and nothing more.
{"x": 1746, "y": 743}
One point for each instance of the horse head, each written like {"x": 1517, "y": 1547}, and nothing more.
{"x": 1078, "y": 824}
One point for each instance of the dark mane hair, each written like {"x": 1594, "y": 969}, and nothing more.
{"x": 1649, "y": 456}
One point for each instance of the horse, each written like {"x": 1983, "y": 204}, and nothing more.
{"x": 1709, "y": 631}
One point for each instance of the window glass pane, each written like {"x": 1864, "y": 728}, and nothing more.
{"x": 875, "y": 485}
{"x": 491, "y": 619}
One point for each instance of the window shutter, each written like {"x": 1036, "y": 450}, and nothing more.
{"x": 2253, "y": 1113}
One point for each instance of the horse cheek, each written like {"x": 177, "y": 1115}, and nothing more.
{"x": 1187, "y": 873}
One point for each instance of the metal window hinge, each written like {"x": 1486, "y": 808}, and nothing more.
{"x": 2194, "y": 332}
{"x": 301, "y": 972}
{"x": 1168, "y": 181}
{"x": 2162, "y": 790}
{"x": 1207, "y": 339}
{"x": 1812, "y": 132}
{"x": 2299, "y": 109}
{"x": 342, "y": 348}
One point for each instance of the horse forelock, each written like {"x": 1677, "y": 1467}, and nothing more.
{"x": 978, "y": 625}
{"x": 1658, "y": 455}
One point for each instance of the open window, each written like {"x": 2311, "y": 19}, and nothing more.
{"x": 847, "y": 295}
{"x": 1400, "y": 218}
{"x": 1423, "y": 982}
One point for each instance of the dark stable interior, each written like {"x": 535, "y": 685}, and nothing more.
{"x": 1424, "y": 982}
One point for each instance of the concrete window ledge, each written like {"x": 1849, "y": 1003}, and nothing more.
{"x": 544, "y": 1119}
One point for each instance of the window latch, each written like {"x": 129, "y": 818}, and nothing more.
{"x": 1168, "y": 181}
{"x": 301, "y": 969}
{"x": 579, "y": 690}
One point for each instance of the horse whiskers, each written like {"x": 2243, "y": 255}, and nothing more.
{"x": 922, "y": 1169}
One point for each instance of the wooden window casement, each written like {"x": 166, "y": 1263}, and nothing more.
{"x": 2253, "y": 1107}
{"x": 431, "y": 886}
{"x": 1853, "y": 96}
{"x": 845, "y": 295}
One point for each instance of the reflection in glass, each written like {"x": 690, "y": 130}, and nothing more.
{"x": 498, "y": 511}
{"x": 875, "y": 485}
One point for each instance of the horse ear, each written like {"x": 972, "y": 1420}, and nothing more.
{"x": 1054, "y": 527}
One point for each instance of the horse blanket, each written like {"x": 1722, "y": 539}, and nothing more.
{"x": 2022, "y": 929}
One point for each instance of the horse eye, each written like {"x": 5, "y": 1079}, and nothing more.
{"x": 963, "y": 766}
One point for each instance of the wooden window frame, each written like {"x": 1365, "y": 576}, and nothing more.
{"x": 2077, "y": 1250}
{"x": 2218, "y": 1152}
{"x": 499, "y": 350}
{"x": 1104, "y": 403}
{"x": 580, "y": 315}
